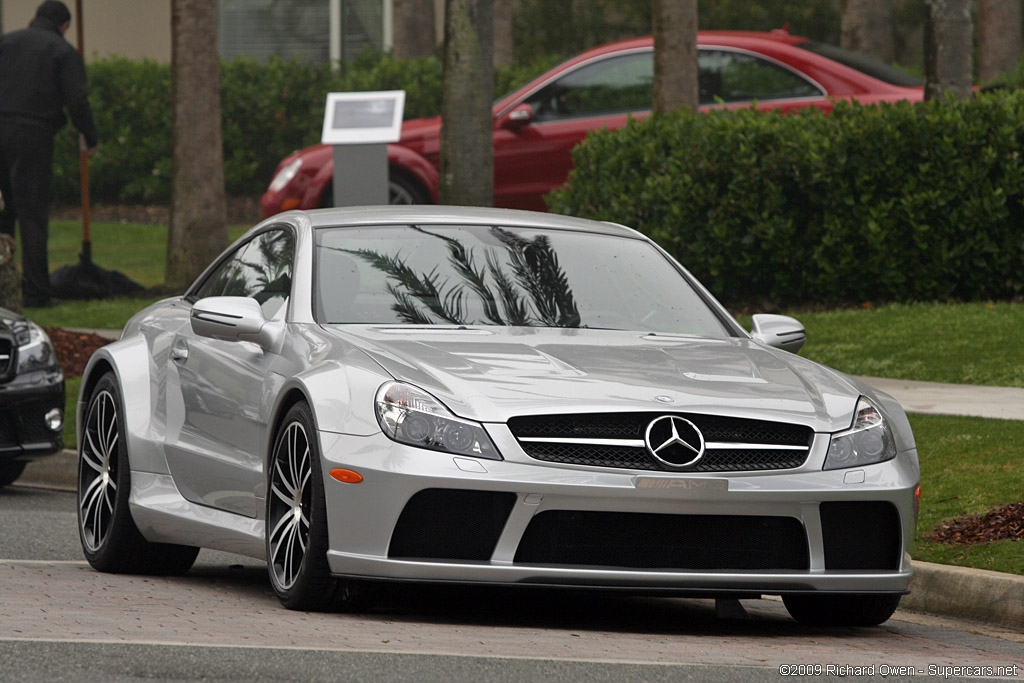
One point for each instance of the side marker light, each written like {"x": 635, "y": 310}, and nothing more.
{"x": 346, "y": 476}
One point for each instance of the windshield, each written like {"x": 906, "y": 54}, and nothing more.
{"x": 867, "y": 65}
{"x": 492, "y": 275}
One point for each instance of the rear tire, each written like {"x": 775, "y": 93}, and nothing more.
{"x": 10, "y": 471}
{"x": 841, "y": 610}
{"x": 297, "y": 540}
{"x": 110, "y": 540}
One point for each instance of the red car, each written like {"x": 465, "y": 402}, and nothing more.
{"x": 536, "y": 126}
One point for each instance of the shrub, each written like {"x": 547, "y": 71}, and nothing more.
{"x": 895, "y": 202}
{"x": 268, "y": 110}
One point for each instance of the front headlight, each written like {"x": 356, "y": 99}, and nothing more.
{"x": 869, "y": 441}
{"x": 35, "y": 352}
{"x": 285, "y": 175}
{"x": 412, "y": 416}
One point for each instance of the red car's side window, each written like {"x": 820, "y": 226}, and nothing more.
{"x": 624, "y": 83}
{"x": 742, "y": 77}
{"x": 609, "y": 86}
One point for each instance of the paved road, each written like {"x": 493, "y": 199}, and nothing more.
{"x": 60, "y": 620}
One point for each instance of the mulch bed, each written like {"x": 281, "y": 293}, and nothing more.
{"x": 1002, "y": 523}
{"x": 73, "y": 349}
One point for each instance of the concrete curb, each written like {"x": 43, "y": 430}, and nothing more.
{"x": 976, "y": 594}
{"x": 990, "y": 597}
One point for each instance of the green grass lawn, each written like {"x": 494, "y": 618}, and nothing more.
{"x": 968, "y": 465}
{"x": 974, "y": 343}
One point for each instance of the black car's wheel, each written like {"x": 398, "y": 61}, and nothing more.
{"x": 401, "y": 190}
{"x": 10, "y": 471}
{"x": 110, "y": 540}
{"x": 297, "y": 540}
{"x": 841, "y": 610}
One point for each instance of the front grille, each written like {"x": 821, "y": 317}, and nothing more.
{"x": 861, "y": 535}
{"x": 664, "y": 542}
{"x": 451, "y": 524}
{"x": 616, "y": 440}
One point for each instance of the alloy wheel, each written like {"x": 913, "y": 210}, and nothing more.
{"x": 97, "y": 486}
{"x": 400, "y": 194}
{"x": 290, "y": 505}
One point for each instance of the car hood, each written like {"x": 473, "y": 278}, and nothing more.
{"x": 492, "y": 374}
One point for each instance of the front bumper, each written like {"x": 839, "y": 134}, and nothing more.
{"x": 24, "y": 403}
{"x": 426, "y": 516}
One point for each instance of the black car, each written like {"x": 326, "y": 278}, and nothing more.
{"x": 31, "y": 395}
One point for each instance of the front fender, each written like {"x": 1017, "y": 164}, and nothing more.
{"x": 129, "y": 360}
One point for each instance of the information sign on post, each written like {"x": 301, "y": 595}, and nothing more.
{"x": 359, "y": 125}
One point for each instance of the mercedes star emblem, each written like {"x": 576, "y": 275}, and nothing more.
{"x": 674, "y": 441}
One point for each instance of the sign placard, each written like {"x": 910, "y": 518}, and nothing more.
{"x": 359, "y": 118}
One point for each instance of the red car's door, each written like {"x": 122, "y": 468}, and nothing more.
{"x": 533, "y": 139}
{"x": 532, "y": 156}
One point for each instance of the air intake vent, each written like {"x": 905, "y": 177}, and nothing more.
{"x": 861, "y": 535}
{"x": 664, "y": 542}
{"x": 451, "y": 524}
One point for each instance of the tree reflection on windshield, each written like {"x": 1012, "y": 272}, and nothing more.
{"x": 530, "y": 288}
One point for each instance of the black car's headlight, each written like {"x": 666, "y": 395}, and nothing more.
{"x": 412, "y": 416}
{"x": 35, "y": 351}
{"x": 868, "y": 441}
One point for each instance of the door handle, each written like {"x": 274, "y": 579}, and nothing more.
{"x": 179, "y": 353}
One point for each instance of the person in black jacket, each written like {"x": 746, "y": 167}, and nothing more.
{"x": 41, "y": 75}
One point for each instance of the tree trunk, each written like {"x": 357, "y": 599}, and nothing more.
{"x": 198, "y": 229}
{"x": 503, "y": 14}
{"x": 467, "y": 153}
{"x": 675, "y": 55}
{"x": 947, "y": 49}
{"x": 999, "y": 37}
{"x": 413, "y": 28}
{"x": 867, "y": 28}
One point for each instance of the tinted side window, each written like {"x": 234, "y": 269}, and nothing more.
{"x": 613, "y": 85}
{"x": 741, "y": 77}
{"x": 261, "y": 269}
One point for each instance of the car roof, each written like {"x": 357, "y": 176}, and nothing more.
{"x": 734, "y": 38}
{"x": 361, "y": 216}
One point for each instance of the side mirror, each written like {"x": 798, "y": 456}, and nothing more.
{"x": 234, "y": 318}
{"x": 778, "y": 331}
{"x": 521, "y": 115}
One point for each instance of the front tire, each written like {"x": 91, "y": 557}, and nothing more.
{"x": 110, "y": 540}
{"x": 841, "y": 610}
{"x": 297, "y": 540}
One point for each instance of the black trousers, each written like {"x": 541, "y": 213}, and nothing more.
{"x": 26, "y": 173}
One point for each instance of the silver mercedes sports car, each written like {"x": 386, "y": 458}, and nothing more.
{"x": 444, "y": 394}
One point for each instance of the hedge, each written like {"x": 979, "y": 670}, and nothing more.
{"x": 268, "y": 111}
{"x": 872, "y": 203}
